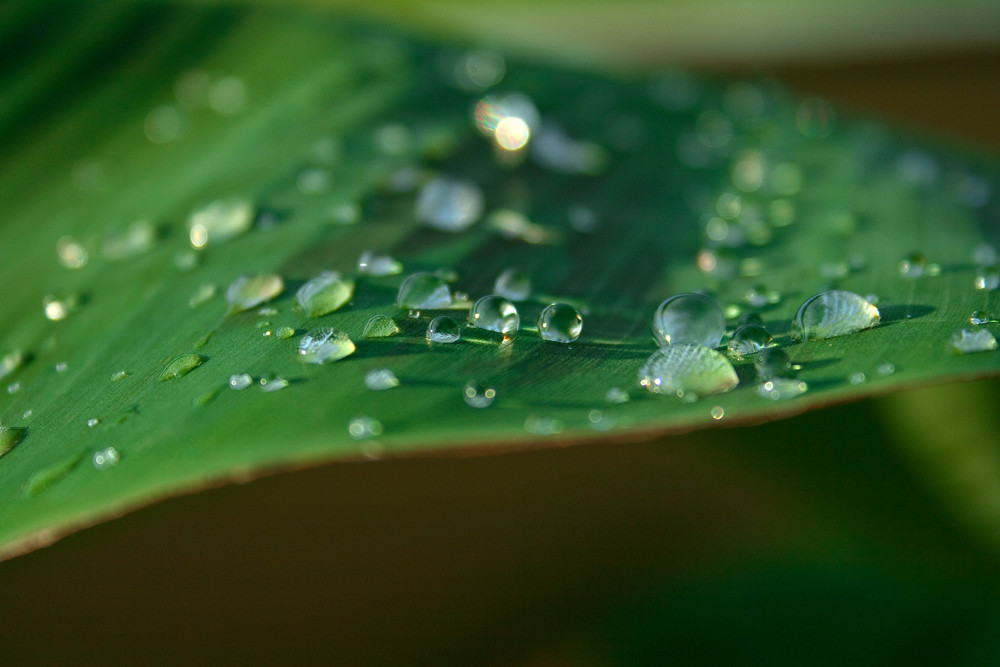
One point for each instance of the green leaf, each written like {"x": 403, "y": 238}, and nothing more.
{"x": 150, "y": 126}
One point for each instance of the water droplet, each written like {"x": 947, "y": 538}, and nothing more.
{"x": 980, "y": 317}
{"x": 273, "y": 384}
{"x": 13, "y": 387}
{"x": 10, "y": 363}
{"x": 219, "y": 221}
{"x": 380, "y": 326}
{"x": 687, "y": 369}
{"x": 478, "y": 395}
{"x": 560, "y": 323}
{"x": 600, "y": 421}
{"x": 202, "y": 295}
{"x": 375, "y": 264}
{"x": 61, "y": 367}
{"x": 773, "y": 362}
{"x": 106, "y": 458}
{"x": 325, "y": 344}
{"x": 759, "y": 296}
{"x": 10, "y": 436}
{"x": 134, "y": 241}
{"x": 240, "y": 381}
{"x": 27, "y": 413}
{"x": 718, "y": 412}
{"x": 988, "y": 278}
{"x": 689, "y": 318}
{"x": 247, "y": 292}
{"x": 916, "y": 265}
{"x": 93, "y": 421}
{"x": 284, "y": 333}
{"x": 71, "y": 254}
{"x": 479, "y": 69}
{"x": 423, "y": 290}
{"x": 886, "y": 368}
{"x": 117, "y": 376}
{"x": 494, "y": 313}
{"x": 780, "y": 388}
{"x": 380, "y": 379}
{"x": 513, "y": 284}
{"x": 514, "y": 225}
{"x": 749, "y": 318}
{"x": 181, "y": 366}
{"x": 857, "y": 378}
{"x": 542, "y": 425}
{"x": 749, "y": 339}
{"x": 965, "y": 341}
{"x": 449, "y": 204}
{"x": 492, "y": 110}
{"x": 443, "y": 329}
{"x": 362, "y": 428}
{"x": 834, "y": 313}
{"x": 616, "y": 396}
{"x": 58, "y": 309}
{"x": 324, "y": 294}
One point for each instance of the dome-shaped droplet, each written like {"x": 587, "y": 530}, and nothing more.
{"x": 687, "y": 369}
{"x": 380, "y": 379}
{"x": 380, "y": 326}
{"x": 106, "y": 458}
{"x": 988, "y": 278}
{"x": 449, "y": 204}
{"x": 749, "y": 339}
{"x": 181, "y": 366}
{"x": 324, "y": 294}
{"x": 325, "y": 344}
{"x": 364, "y": 427}
{"x": 247, "y": 292}
{"x": 689, "y": 318}
{"x": 478, "y": 395}
{"x": 494, "y": 313}
{"x": 560, "y": 323}
{"x": 423, "y": 290}
{"x": 834, "y": 313}
{"x": 965, "y": 341}
{"x": 773, "y": 362}
{"x": 513, "y": 284}
{"x": 220, "y": 221}
{"x": 980, "y": 317}
{"x": 443, "y": 329}
{"x": 11, "y": 362}
{"x": 377, "y": 264}
{"x": 240, "y": 381}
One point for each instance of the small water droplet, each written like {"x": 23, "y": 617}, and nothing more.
{"x": 749, "y": 339}
{"x": 443, "y": 329}
{"x": 377, "y": 264}
{"x": 689, "y": 318}
{"x": 687, "y": 369}
{"x": 479, "y": 69}
{"x": 552, "y": 148}
{"x": 449, "y": 204}
{"x": 478, "y": 395}
{"x": 380, "y": 379}
{"x": 773, "y": 362}
{"x": 718, "y": 412}
{"x": 202, "y": 295}
{"x": 779, "y": 388}
{"x": 11, "y": 362}
{"x": 980, "y": 317}
{"x": 965, "y": 341}
{"x": 542, "y": 425}
{"x": 276, "y": 383}
{"x": 284, "y": 333}
{"x": 93, "y": 421}
{"x": 10, "y": 436}
{"x": 71, "y": 254}
{"x": 325, "y": 344}
{"x": 106, "y": 458}
{"x": 988, "y": 278}
{"x": 759, "y": 296}
{"x": 240, "y": 381}
{"x": 916, "y": 265}
{"x": 834, "y": 313}
{"x": 362, "y": 428}
{"x": 560, "y": 323}
{"x": 13, "y": 387}
{"x": 494, "y": 313}
{"x": 117, "y": 376}
{"x": 599, "y": 421}
{"x": 57, "y": 309}
{"x": 616, "y": 396}
{"x": 515, "y": 225}
{"x": 137, "y": 239}
{"x": 27, "y": 413}
{"x": 857, "y": 378}
{"x": 513, "y": 284}
{"x": 220, "y": 220}
{"x": 324, "y": 294}
{"x": 886, "y": 368}
{"x": 246, "y": 292}
{"x": 61, "y": 367}
{"x": 380, "y": 326}
{"x": 181, "y": 366}
{"x": 423, "y": 290}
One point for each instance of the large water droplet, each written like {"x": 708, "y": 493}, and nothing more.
{"x": 749, "y": 339}
{"x": 513, "y": 284}
{"x": 689, "y": 318}
{"x": 246, "y": 292}
{"x": 780, "y": 388}
{"x": 494, "y": 313}
{"x": 478, "y": 395}
{"x": 834, "y": 313}
{"x": 376, "y": 264}
{"x": 687, "y": 369}
{"x": 181, "y": 366}
{"x": 380, "y": 379}
{"x": 10, "y": 436}
{"x": 965, "y": 341}
{"x": 363, "y": 427}
{"x": 449, "y": 204}
{"x": 325, "y": 344}
{"x": 324, "y": 294}
{"x": 219, "y": 221}
{"x": 443, "y": 329}
{"x": 560, "y": 323}
{"x": 423, "y": 290}
{"x": 106, "y": 458}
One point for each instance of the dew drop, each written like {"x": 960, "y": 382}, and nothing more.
{"x": 284, "y": 333}
{"x": 423, "y": 290}
{"x": 560, "y": 323}
{"x": 689, "y": 318}
{"x": 376, "y": 264}
{"x": 980, "y": 317}
{"x": 779, "y": 388}
{"x": 718, "y": 412}
{"x": 988, "y": 278}
{"x": 325, "y": 344}
{"x": 773, "y": 362}
{"x": 965, "y": 341}
{"x": 246, "y": 292}
{"x": 137, "y": 239}
{"x": 92, "y": 422}
{"x": 220, "y": 220}
{"x": 494, "y": 313}
{"x": 616, "y": 396}
{"x": 380, "y": 326}
{"x": 106, "y": 458}
{"x": 834, "y": 313}
{"x": 11, "y": 362}
{"x": 749, "y": 339}
{"x": 10, "y": 436}
{"x": 554, "y": 149}
{"x": 27, "y": 413}
{"x": 449, "y": 204}
{"x": 324, "y": 294}
{"x": 916, "y": 265}
{"x": 443, "y": 329}
{"x": 857, "y": 378}
{"x": 61, "y": 367}
{"x": 181, "y": 366}
{"x": 13, "y": 387}
{"x": 240, "y": 381}
{"x": 202, "y": 295}
{"x": 57, "y": 309}
{"x": 71, "y": 254}
{"x": 273, "y": 384}
{"x": 118, "y": 376}
{"x": 886, "y": 368}
{"x": 513, "y": 284}
{"x": 759, "y": 296}
{"x": 380, "y": 379}
{"x": 478, "y": 395}
{"x": 362, "y": 428}
{"x": 542, "y": 425}
{"x": 687, "y": 369}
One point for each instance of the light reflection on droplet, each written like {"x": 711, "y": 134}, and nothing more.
{"x": 512, "y": 133}
{"x": 72, "y": 255}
